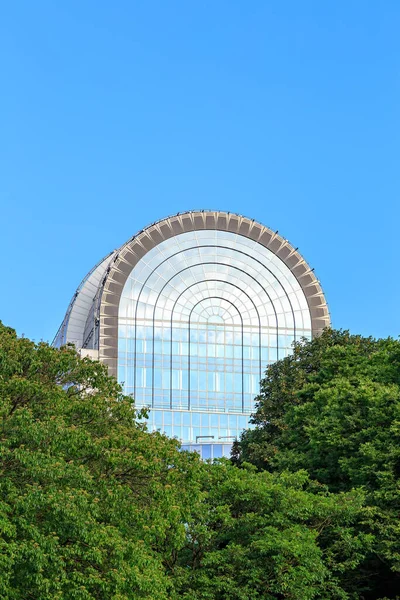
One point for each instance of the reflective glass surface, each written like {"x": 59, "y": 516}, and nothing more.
{"x": 209, "y": 451}
{"x": 201, "y": 316}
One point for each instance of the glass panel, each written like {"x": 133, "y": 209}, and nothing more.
{"x": 206, "y": 451}
{"x": 227, "y": 450}
{"x": 229, "y": 291}
{"x": 217, "y": 451}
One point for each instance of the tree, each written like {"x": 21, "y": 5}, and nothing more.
{"x": 333, "y": 409}
{"x": 92, "y": 505}
{"x": 269, "y": 536}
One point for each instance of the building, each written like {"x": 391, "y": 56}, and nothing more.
{"x": 189, "y": 312}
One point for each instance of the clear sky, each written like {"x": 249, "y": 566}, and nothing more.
{"x": 116, "y": 114}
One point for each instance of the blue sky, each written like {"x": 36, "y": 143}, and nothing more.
{"x": 113, "y": 115}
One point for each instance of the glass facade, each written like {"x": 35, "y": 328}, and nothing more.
{"x": 200, "y": 317}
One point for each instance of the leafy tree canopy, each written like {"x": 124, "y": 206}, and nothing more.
{"x": 90, "y": 501}
{"x": 93, "y": 506}
{"x": 270, "y": 536}
{"x": 333, "y": 409}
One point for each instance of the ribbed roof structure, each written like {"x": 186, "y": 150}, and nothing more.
{"x": 91, "y": 320}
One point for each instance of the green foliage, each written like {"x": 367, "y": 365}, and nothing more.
{"x": 267, "y": 536}
{"x": 333, "y": 409}
{"x": 90, "y": 501}
{"x": 94, "y": 507}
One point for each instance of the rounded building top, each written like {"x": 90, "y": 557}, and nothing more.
{"x": 92, "y": 317}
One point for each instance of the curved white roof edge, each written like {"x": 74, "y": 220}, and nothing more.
{"x": 98, "y": 293}
{"x": 72, "y": 328}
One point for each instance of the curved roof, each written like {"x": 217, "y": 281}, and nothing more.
{"x": 92, "y": 316}
{"x": 72, "y": 328}
{"x": 131, "y": 252}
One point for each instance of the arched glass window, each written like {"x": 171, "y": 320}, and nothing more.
{"x": 200, "y": 317}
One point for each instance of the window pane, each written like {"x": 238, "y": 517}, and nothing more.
{"x": 214, "y": 284}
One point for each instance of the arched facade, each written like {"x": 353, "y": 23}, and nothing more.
{"x": 188, "y": 314}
